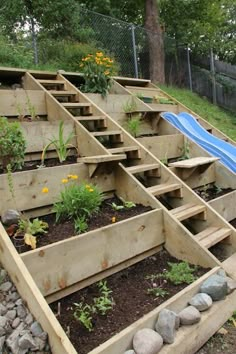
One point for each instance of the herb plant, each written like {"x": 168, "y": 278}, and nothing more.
{"x": 60, "y": 144}
{"x": 82, "y": 314}
{"x": 180, "y": 273}
{"x": 130, "y": 105}
{"x": 81, "y": 225}
{"x": 97, "y": 70}
{"x": 31, "y": 228}
{"x": 104, "y": 302}
{"x": 133, "y": 126}
{"x": 157, "y": 292}
{"x": 12, "y": 144}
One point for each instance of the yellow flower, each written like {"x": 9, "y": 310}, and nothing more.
{"x": 45, "y": 190}
{"x": 99, "y": 54}
{"x": 91, "y": 190}
{"x": 87, "y": 186}
{"x": 113, "y": 219}
{"x": 74, "y": 177}
{"x": 110, "y": 61}
{"x": 107, "y": 72}
{"x": 64, "y": 180}
{"x": 69, "y": 176}
{"x": 81, "y": 65}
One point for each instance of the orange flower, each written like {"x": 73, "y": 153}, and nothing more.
{"x": 107, "y": 72}
{"x": 45, "y": 190}
{"x": 99, "y": 54}
{"x": 113, "y": 219}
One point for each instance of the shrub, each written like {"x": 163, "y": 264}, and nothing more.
{"x": 12, "y": 144}
{"x": 180, "y": 273}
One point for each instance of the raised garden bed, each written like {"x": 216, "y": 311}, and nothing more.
{"x": 210, "y": 193}
{"x": 130, "y": 297}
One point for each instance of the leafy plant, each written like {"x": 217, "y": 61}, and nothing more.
{"x": 31, "y": 108}
{"x": 185, "y": 151}
{"x": 104, "y": 302}
{"x": 128, "y": 204}
{"x": 97, "y": 70}
{"x": 82, "y": 314}
{"x": 81, "y": 224}
{"x": 31, "y": 228}
{"x": 157, "y": 292}
{"x": 130, "y": 105}
{"x": 162, "y": 100}
{"x": 180, "y": 273}
{"x": 10, "y": 181}
{"x": 60, "y": 144}
{"x": 12, "y": 144}
{"x": 117, "y": 207}
{"x": 133, "y": 126}
{"x": 78, "y": 200}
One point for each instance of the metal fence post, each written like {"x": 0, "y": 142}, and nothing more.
{"x": 134, "y": 52}
{"x": 212, "y": 66}
{"x": 189, "y": 69}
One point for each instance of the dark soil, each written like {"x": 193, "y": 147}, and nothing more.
{"x": 130, "y": 298}
{"x": 219, "y": 343}
{"x": 148, "y": 135}
{"x": 212, "y": 192}
{"x": 64, "y": 230}
{"x": 233, "y": 223}
{"x": 34, "y": 165}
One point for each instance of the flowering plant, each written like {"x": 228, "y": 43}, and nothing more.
{"x": 97, "y": 70}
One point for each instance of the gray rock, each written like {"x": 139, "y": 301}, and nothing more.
{"x": 3, "y": 310}
{"x": 130, "y": 352}
{"x": 16, "y": 322}
{"x": 3, "y": 274}
{"x": 12, "y": 340}
{"x": 11, "y": 314}
{"x": 215, "y": 286}
{"x": 3, "y": 321}
{"x": 12, "y": 296}
{"x": 231, "y": 285}
{"x": 166, "y": 325}
{"x": 10, "y": 305}
{"x": 201, "y": 301}
{"x": 10, "y": 217}
{"x": 19, "y": 302}
{"x": 5, "y": 286}
{"x": 221, "y": 272}
{"x": 147, "y": 341}
{"x": 2, "y": 341}
{"x": 40, "y": 344}
{"x": 29, "y": 319}
{"x": 2, "y": 331}
{"x": 36, "y": 329}
{"x": 189, "y": 316}
{"x": 21, "y": 311}
{"x": 43, "y": 336}
{"x": 27, "y": 342}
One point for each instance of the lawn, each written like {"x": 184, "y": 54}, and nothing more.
{"x": 221, "y": 119}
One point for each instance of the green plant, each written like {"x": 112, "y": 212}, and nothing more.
{"x": 82, "y": 314}
{"x": 117, "y": 207}
{"x": 133, "y": 126}
{"x": 31, "y": 228}
{"x": 157, "y": 292}
{"x": 10, "y": 181}
{"x": 12, "y": 144}
{"x": 128, "y": 204}
{"x": 60, "y": 144}
{"x": 31, "y": 108}
{"x": 130, "y": 105}
{"x": 185, "y": 151}
{"x": 104, "y": 302}
{"x": 180, "y": 273}
{"x": 80, "y": 224}
{"x": 77, "y": 200}
{"x": 217, "y": 189}
{"x": 97, "y": 70}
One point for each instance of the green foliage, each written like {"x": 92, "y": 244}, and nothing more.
{"x": 10, "y": 181}
{"x": 97, "y": 70}
{"x": 13, "y": 55}
{"x": 12, "y": 144}
{"x": 130, "y": 105}
{"x": 221, "y": 119}
{"x": 78, "y": 200}
{"x": 157, "y": 292}
{"x": 180, "y": 273}
{"x": 101, "y": 305}
{"x": 80, "y": 224}
{"x": 60, "y": 144}
{"x": 33, "y": 227}
{"x": 82, "y": 314}
{"x": 126, "y": 205}
{"x": 117, "y": 207}
{"x": 134, "y": 125}
{"x": 185, "y": 151}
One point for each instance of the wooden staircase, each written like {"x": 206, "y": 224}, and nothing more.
{"x": 170, "y": 193}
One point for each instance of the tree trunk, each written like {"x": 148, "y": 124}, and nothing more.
{"x": 155, "y": 41}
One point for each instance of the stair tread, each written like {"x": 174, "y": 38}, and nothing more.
{"x": 194, "y": 162}
{"x": 188, "y": 210}
{"x": 123, "y": 149}
{"x": 89, "y": 118}
{"x": 212, "y": 236}
{"x": 62, "y": 93}
{"x": 51, "y": 82}
{"x": 107, "y": 132}
{"x": 101, "y": 158}
{"x": 142, "y": 88}
{"x": 76, "y": 104}
{"x": 229, "y": 265}
{"x": 142, "y": 168}
{"x": 164, "y": 188}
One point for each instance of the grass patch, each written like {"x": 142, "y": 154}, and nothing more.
{"x": 223, "y": 120}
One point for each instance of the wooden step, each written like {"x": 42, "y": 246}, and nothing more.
{"x": 101, "y": 158}
{"x": 51, "y": 82}
{"x": 193, "y": 162}
{"x": 159, "y": 108}
{"x": 142, "y": 168}
{"x": 90, "y": 118}
{"x": 123, "y": 149}
{"x": 164, "y": 188}
{"x": 212, "y": 235}
{"x": 143, "y": 88}
{"x": 229, "y": 265}
{"x": 62, "y": 93}
{"x": 107, "y": 133}
{"x": 74, "y": 105}
{"x": 188, "y": 210}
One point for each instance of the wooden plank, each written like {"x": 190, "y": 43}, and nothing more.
{"x": 205, "y": 233}
{"x": 39, "y": 134}
{"x": 107, "y": 133}
{"x": 164, "y": 147}
{"x": 163, "y": 107}
{"x": 76, "y": 104}
{"x": 17, "y": 102}
{"x": 188, "y": 210}
{"x": 65, "y": 263}
{"x": 62, "y": 93}
{"x": 51, "y": 82}
{"x": 102, "y": 158}
{"x": 164, "y": 188}
{"x": 142, "y": 168}
{"x": 215, "y": 237}
{"x": 104, "y": 274}
{"x": 123, "y": 149}
{"x": 123, "y": 340}
{"x": 33, "y": 298}
{"x": 225, "y": 205}
{"x": 194, "y": 162}
{"x": 28, "y": 186}
{"x": 229, "y": 265}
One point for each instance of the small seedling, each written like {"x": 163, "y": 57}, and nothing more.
{"x": 180, "y": 273}
{"x": 81, "y": 225}
{"x": 157, "y": 292}
{"x": 31, "y": 228}
{"x": 117, "y": 207}
{"x": 133, "y": 126}
{"x": 82, "y": 314}
{"x": 130, "y": 105}
{"x": 127, "y": 204}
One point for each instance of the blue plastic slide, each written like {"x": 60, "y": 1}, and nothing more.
{"x": 188, "y": 125}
